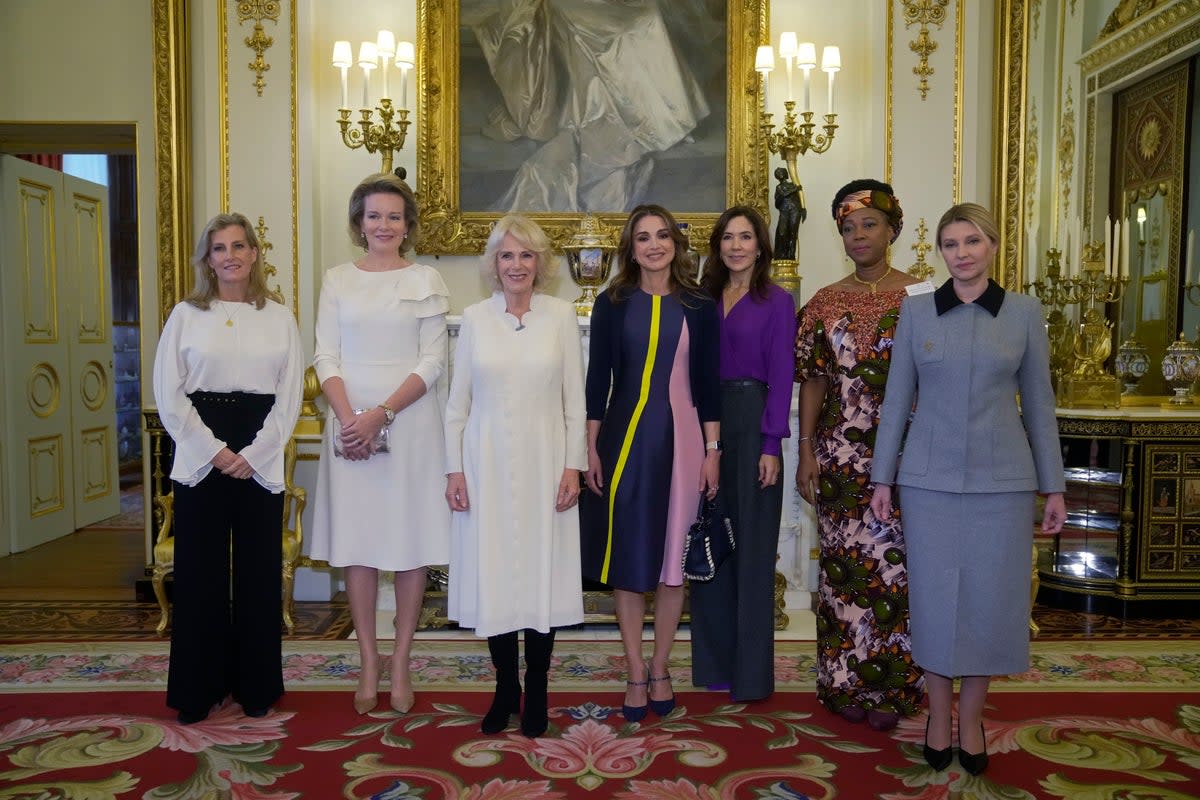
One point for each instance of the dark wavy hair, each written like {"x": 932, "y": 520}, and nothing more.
{"x": 716, "y": 275}
{"x": 628, "y": 275}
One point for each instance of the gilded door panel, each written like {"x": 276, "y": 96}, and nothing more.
{"x": 37, "y": 256}
{"x": 38, "y": 467}
{"x": 46, "y": 475}
{"x": 93, "y": 402}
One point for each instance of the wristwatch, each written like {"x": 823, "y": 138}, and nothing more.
{"x": 715, "y": 445}
{"x": 389, "y": 416}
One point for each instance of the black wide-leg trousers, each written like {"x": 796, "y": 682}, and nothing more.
{"x": 733, "y": 615}
{"x": 227, "y": 603}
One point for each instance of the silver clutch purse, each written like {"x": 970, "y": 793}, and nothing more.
{"x": 378, "y": 445}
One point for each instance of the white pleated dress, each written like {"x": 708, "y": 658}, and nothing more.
{"x": 374, "y": 329}
{"x": 515, "y": 420}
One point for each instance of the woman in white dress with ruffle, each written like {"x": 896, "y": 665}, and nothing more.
{"x": 381, "y": 348}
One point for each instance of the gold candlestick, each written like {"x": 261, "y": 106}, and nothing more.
{"x": 1090, "y": 385}
{"x": 380, "y": 138}
{"x": 791, "y": 141}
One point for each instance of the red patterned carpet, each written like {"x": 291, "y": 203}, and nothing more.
{"x": 126, "y": 745}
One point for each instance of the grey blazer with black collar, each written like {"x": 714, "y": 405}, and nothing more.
{"x": 964, "y": 369}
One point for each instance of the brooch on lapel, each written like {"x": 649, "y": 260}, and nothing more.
{"x": 928, "y": 346}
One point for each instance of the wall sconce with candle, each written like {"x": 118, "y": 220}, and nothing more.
{"x": 384, "y": 137}
{"x": 794, "y": 139}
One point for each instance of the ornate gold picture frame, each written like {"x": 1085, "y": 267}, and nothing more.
{"x": 447, "y": 228}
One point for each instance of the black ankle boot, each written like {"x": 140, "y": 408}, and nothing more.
{"x": 538, "y": 648}
{"x": 507, "y": 700}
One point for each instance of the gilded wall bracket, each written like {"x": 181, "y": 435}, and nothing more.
{"x": 258, "y": 41}
{"x": 924, "y": 13}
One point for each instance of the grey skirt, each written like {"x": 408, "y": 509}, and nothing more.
{"x": 969, "y": 570}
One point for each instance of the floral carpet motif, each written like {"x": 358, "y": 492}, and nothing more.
{"x": 108, "y": 746}
{"x": 463, "y": 665}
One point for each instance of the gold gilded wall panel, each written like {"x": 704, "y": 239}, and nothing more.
{"x": 46, "y": 483}
{"x": 39, "y": 260}
{"x": 88, "y": 269}
{"x": 172, "y": 150}
{"x": 95, "y": 455}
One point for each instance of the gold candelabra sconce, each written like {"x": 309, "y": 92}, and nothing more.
{"x": 1089, "y": 384}
{"x": 794, "y": 139}
{"x": 387, "y": 135}
{"x": 1057, "y": 290}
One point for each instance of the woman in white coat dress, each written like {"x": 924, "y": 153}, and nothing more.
{"x": 972, "y": 460}
{"x": 381, "y": 348}
{"x": 515, "y": 447}
{"x": 227, "y": 381}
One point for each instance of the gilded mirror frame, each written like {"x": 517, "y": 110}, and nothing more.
{"x": 448, "y": 230}
{"x": 172, "y": 150}
{"x": 1160, "y": 33}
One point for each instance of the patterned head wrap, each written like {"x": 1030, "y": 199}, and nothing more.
{"x": 889, "y": 204}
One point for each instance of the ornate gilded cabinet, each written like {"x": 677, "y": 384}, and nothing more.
{"x": 1131, "y": 545}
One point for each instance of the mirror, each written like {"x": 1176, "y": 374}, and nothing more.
{"x": 1145, "y": 310}
{"x": 1097, "y": 122}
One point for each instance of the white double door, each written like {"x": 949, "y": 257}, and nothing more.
{"x": 58, "y": 452}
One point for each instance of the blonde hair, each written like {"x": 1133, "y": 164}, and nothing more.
{"x": 973, "y": 214}
{"x": 530, "y": 236}
{"x": 383, "y": 183}
{"x": 204, "y": 283}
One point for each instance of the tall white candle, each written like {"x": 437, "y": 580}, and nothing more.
{"x": 404, "y": 87}
{"x": 830, "y": 103}
{"x": 789, "y": 79}
{"x": 1077, "y": 247}
{"x": 345, "y": 89}
{"x": 343, "y": 58}
{"x": 1115, "y": 270}
{"x": 1191, "y": 256}
{"x": 808, "y": 90}
{"x": 1128, "y": 234}
{"x": 1108, "y": 232}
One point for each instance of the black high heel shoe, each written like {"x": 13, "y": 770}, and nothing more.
{"x": 974, "y": 763}
{"x": 938, "y": 759}
{"x": 635, "y": 713}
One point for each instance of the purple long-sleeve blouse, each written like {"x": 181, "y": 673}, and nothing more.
{"x": 757, "y": 338}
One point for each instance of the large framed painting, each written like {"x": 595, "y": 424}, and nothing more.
{"x": 560, "y": 108}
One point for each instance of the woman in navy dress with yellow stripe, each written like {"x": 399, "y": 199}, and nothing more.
{"x": 654, "y": 445}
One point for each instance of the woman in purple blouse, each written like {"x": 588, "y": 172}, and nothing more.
{"x": 733, "y": 615}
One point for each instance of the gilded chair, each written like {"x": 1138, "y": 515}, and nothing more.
{"x": 294, "y": 500}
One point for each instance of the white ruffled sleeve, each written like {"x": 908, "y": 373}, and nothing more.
{"x": 265, "y": 453}
{"x": 432, "y": 300}
{"x": 195, "y": 443}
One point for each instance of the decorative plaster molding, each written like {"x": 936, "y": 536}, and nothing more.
{"x": 269, "y": 269}
{"x": 258, "y": 41}
{"x": 1031, "y": 166}
{"x": 924, "y": 13}
{"x": 1066, "y": 152}
{"x": 921, "y": 270}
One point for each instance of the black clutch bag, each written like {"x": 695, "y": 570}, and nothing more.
{"x": 709, "y": 541}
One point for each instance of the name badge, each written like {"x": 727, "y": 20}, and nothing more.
{"x": 924, "y": 287}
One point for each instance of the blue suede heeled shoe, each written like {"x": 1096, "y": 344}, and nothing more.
{"x": 635, "y": 713}
{"x": 663, "y": 707}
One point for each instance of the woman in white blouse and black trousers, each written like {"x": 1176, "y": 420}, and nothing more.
{"x": 227, "y": 380}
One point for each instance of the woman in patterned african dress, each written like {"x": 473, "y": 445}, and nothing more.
{"x": 865, "y": 669}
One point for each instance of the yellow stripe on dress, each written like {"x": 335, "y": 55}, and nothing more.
{"x": 627, "y": 445}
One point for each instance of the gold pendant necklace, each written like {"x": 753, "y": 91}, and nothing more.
{"x": 873, "y": 284}
{"x": 229, "y": 317}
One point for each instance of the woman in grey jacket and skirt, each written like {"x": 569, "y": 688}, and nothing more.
{"x": 972, "y": 462}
